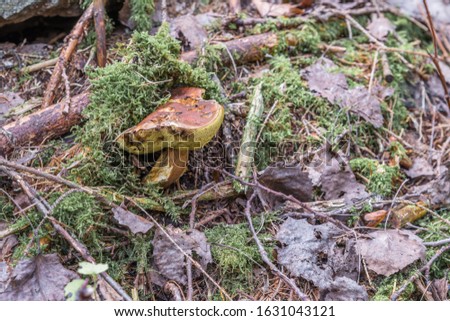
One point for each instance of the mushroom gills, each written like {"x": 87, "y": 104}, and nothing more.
{"x": 170, "y": 166}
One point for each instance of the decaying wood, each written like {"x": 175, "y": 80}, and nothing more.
{"x": 244, "y": 163}
{"x": 72, "y": 41}
{"x": 40, "y": 126}
{"x": 39, "y": 66}
{"x": 100, "y": 31}
{"x": 243, "y": 50}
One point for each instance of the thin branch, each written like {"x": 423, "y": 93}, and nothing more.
{"x": 265, "y": 257}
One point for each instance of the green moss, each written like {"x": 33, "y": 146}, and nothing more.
{"x": 387, "y": 286}
{"x": 80, "y": 211}
{"x": 141, "y": 13}
{"x": 235, "y": 253}
{"x": 383, "y": 179}
{"x": 435, "y": 230}
{"x": 6, "y": 208}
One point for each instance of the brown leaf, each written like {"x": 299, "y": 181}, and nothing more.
{"x": 335, "y": 181}
{"x": 125, "y": 15}
{"x": 276, "y": 10}
{"x": 439, "y": 289}
{"x": 374, "y": 218}
{"x": 189, "y": 31}
{"x": 420, "y": 167}
{"x": 170, "y": 262}
{"x": 323, "y": 81}
{"x": 288, "y": 180}
{"x": 8, "y": 100}
{"x": 390, "y": 251}
{"x": 364, "y": 104}
{"x": 313, "y": 253}
{"x": 408, "y": 214}
{"x": 437, "y": 191}
{"x": 136, "y": 223}
{"x": 41, "y": 278}
{"x": 334, "y": 87}
{"x": 380, "y": 27}
{"x": 7, "y": 243}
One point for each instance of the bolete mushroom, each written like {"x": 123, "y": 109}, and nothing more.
{"x": 186, "y": 122}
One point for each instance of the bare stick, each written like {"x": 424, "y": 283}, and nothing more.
{"x": 247, "y": 149}
{"x": 75, "y": 36}
{"x": 100, "y": 31}
{"x": 302, "y": 296}
{"x": 39, "y": 66}
{"x": 415, "y": 276}
{"x": 386, "y": 69}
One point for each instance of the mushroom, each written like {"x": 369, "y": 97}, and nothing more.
{"x": 186, "y": 122}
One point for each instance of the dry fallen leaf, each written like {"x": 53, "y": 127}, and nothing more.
{"x": 288, "y": 180}
{"x": 267, "y": 9}
{"x": 334, "y": 87}
{"x": 437, "y": 191}
{"x": 6, "y": 243}
{"x": 189, "y": 31}
{"x": 313, "y": 253}
{"x": 420, "y": 167}
{"x": 170, "y": 263}
{"x": 380, "y": 27}
{"x": 407, "y": 214}
{"x": 335, "y": 181}
{"x": 390, "y": 251}
{"x": 41, "y": 278}
{"x": 136, "y": 223}
{"x": 8, "y": 100}
{"x": 374, "y": 218}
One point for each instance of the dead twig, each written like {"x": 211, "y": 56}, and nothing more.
{"x": 72, "y": 40}
{"x": 435, "y": 58}
{"x": 302, "y": 296}
{"x": 424, "y": 269}
{"x": 100, "y": 31}
{"x": 188, "y": 257}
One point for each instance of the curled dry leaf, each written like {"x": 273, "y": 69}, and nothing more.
{"x": 314, "y": 253}
{"x": 170, "y": 263}
{"x": 41, "y": 278}
{"x": 374, "y": 218}
{"x": 389, "y": 251}
{"x": 136, "y": 223}
{"x": 408, "y": 214}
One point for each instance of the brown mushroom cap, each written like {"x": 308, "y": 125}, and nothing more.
{"x": 185, "y": 121}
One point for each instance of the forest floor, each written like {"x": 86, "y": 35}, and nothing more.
{"x": 327, "y": 180}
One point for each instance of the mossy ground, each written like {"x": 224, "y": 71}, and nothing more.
{"x": 124, "y": 92}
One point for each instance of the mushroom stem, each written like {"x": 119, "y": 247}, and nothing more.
{"x": 171, "y": 164}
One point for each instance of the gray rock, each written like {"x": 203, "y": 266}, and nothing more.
{"x": 15, "y": 11}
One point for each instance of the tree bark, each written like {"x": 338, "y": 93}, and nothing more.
{"x": 40, "y": 126}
